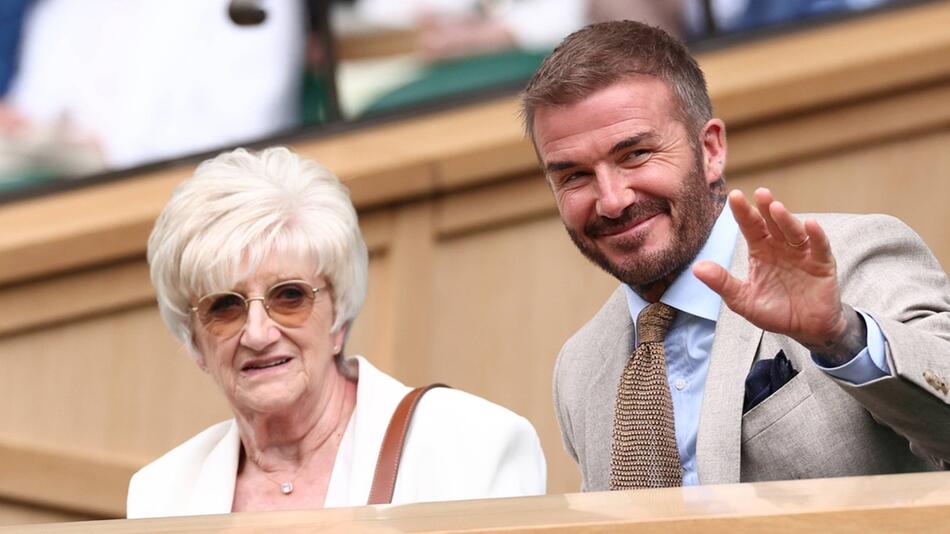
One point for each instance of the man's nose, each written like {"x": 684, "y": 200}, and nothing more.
{"x": 614, "y": 194}
{"x": 259, "y": 330}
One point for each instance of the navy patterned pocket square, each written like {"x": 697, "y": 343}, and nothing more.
{"x": 765, "y": 378}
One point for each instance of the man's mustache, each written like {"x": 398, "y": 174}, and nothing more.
{"x": 641, "y": 210}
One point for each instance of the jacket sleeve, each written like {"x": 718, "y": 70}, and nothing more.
{"x": 560, "y": 409}
{"x": 886, "y": 269}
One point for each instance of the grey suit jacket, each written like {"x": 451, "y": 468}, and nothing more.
{"x": 815, "y": 425}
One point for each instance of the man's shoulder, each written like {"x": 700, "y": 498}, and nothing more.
{"x": 602, "y": 331}
{"x": 855, "y": 237}
{"x": 608, "y": 333}
{"x": 169, "y": 475}
{"x": 846, "y": 224}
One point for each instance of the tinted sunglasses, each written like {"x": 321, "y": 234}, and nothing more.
{"x": 288, "y": 303}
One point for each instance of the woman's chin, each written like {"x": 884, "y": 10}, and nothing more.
{"x": 272, "y": 396}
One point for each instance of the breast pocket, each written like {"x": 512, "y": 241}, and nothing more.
{"x": 783, "y": 435}
{"x": 775, "y": 407}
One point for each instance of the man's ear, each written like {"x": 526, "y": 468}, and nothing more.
{"x": 713, "y": 143}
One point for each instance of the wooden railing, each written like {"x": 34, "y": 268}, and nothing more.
{"x": 891, "y": 504}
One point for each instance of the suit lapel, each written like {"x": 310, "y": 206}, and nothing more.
{"x": 612, "y": 352}
{"x": 720, "y": 423}
{"x": 213, "y": 491}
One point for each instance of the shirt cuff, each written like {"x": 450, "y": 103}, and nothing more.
{"x": 870, "y": 364}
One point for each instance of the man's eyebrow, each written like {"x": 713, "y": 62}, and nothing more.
{"x": 632, "y": 141}
{"x": 559, "y": 166}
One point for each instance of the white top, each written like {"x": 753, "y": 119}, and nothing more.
{"x": 534, "y": 24}
{"x": 459, "y": 446}
{"x": 160, "y": 79}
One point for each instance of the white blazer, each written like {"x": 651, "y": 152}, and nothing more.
{"x": 459, "y": 446}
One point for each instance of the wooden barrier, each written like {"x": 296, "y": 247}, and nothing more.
{"x": 861, "y": 505}
{"x": 472, "y": 280}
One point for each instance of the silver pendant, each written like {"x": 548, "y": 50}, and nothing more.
{"x": 287, "y": 488}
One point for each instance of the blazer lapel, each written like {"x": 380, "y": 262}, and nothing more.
{"x": 613, "y": 352}
{"x": 213, "y": 491}
{"x": 720, "y": 423}
{"x": 377, "y": 396}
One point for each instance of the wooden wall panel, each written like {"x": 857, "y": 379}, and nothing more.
{"x": 116, "y": 382}
{"x": 908, "y": 177}
{"x": 405, "y": 319}
{"x": 16, "y": 513}
{"x": 366, "y": 337}
{"x": 507, "y": 299}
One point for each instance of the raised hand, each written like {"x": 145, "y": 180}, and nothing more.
{"x": 792, "y": 287}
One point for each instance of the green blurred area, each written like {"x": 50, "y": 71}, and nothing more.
{"x": 19, "y": 179}
{"x": 462, "y": 76}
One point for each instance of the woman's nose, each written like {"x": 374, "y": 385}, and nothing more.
{"x": 259, "y": 329}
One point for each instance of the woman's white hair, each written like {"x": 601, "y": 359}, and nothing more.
{"x": 239, "y": 209}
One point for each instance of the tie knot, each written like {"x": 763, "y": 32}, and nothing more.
{"x": 654, "y": 321}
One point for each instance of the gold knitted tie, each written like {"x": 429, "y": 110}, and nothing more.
{"x": 644, "y": 453}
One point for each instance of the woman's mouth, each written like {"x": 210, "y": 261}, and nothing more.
{"x": 261, "y": 365}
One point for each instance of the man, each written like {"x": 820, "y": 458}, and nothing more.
{"x": 832, "y": 354}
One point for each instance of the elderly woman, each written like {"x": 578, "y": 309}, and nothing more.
{"x": 260, "y": 269}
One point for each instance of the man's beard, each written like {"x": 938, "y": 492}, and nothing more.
{"x": 697, "y": 207}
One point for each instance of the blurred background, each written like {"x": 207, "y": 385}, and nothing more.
{"x": 837, "y": 105}
{"x": 88, "y": 87}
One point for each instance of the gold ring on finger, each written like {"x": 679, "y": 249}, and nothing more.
{"x": 800, "y": 244}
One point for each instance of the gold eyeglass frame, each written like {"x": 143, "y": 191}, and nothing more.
{"x": 263, "y": 300}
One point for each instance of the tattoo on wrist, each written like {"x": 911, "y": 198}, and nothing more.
{"x": 854, "y": 339}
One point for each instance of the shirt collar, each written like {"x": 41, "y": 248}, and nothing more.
{"x": 687, "y": 293}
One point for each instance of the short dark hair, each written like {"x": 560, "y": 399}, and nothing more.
{"x": 603, "y": 54}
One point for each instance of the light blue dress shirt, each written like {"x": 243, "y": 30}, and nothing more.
{"x": 690, "y": 339}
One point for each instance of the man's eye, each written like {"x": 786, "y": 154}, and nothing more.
{"x": 637, "y": 154}
{"x": 573, "y": 177}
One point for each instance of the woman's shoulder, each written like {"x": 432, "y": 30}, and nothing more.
{"x": 465, "y": 408}
{"x": 462, "y": 446}
{"x": 453, "y": 417}
{"x": 443, "y": 407}
{"x": 198, "y": 446}
{"x": 153, "y": 487}
{"x": 455, "y": 427}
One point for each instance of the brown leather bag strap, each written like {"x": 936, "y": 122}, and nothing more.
{"x": 387, "y": 466}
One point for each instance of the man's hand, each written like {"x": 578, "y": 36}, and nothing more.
{"x": 792, "y": 287}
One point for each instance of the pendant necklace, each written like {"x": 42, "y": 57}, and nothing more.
{"x": 286, "y": 487}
